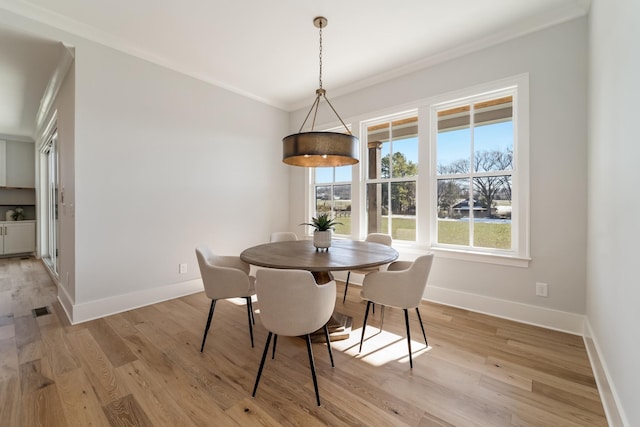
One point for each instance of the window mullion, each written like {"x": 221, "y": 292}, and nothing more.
{"x": 472, "y": 170}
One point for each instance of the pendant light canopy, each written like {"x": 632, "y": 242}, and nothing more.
{"x": 320, "y": 149}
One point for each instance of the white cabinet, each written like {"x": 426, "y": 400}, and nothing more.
{"x": 17, "y": 164}
{"x": 17, "y": 237}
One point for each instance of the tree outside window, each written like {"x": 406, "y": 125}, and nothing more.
{"x": 392, "y": 172}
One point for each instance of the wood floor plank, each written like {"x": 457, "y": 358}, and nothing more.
{"x": 97, "y": 366}
{"x": 247, "y": 414}
{"x": 111, "y": 344}
{"x": 144, "y": 367}
{"x": 195, "y": 403}
{"x": 57, "y": 351}
{"x": 9, "y": 366}
{"x": 10, "y": 402}
{"x": 43, "y": 407}
{"x": 80, "y": 403}
{"x": 152, "y": 398}
{"x": 126, "y": 412}
{"x": 32, "y": 378}
{"x": 563, "y": 410}
{"x": 28, "y": 338}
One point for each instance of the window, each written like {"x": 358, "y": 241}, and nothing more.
{"x": 479, "y": 162}
{"x": 332, "y": 190}
{"x": 449, "y": 173}
{"x": 391, "y": 177}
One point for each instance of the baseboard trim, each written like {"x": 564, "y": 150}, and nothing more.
{"x": 608, "y": 396}
{"x": 84, "y": 312}
{"x": 562, "y": 321}
{"x": 65, "y": 301}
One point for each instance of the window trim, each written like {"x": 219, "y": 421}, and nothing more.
{"x": 518, "y": 87}
{"x": 332, "y": 184}
{"x": 364, "y": 180}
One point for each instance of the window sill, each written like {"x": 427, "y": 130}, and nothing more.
{"x": 406, "y": 248}
{"x": 507, "y": 260}
{"x": 411, "y": 250}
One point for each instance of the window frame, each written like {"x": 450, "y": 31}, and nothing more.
{"x": 518, "y": 88}
{"x": 365, "y": 180}
{"x": 312, "y": 189}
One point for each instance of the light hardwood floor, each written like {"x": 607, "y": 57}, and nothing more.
{"x": 144, "y": 368}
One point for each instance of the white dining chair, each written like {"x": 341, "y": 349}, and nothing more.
{"x": 293, "y": 304}
{"x": 283, "y": 236}
{"x": 382, "y": 238}
{"x": 401, "y": 286}
{"x": 225, "y": 277}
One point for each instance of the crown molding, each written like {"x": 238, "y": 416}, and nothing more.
{"x": 67, "y": 55}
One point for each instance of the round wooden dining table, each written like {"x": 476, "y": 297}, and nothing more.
{"x": 343, "y": 255}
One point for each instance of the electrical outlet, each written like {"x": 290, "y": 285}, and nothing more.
{"x": 542, "y": 289}
{"x": 182, "y": 268}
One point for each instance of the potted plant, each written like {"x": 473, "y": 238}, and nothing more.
{"x": 323, "y": 225}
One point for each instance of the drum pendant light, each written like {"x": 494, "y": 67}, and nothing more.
{"x": 320, "y": 149}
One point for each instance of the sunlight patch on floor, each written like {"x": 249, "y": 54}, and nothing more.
{"x": 380, "y": 347}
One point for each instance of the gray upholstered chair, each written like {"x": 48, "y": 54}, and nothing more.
{"x": 293, "y": 304}
{"x": 382, "y": 238}
{"x": 283, "y": 236}
{"x": 401, "y": 286}
{"x": 225, "y": 277}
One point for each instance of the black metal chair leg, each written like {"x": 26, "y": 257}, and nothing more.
{"x": 253, "y": 319}
{"x": 422, "y": 326}
{"x": 406, "y": 320}
{"x": 364, "y": 324}
{"x": 381, "y": 315}
{"x": 326, "y": 337}
{"x": 346, "y": 286}
{"x": 275, "y": 341}
{"x": 313, "y": 368}
{"x": 264, "y": 356}
{"x": 249, "y": 318}
{"x": 206, "y": 328}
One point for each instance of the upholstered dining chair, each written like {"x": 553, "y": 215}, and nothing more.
{"x": 293, "y": 304}
{"x": 225, "y": 277}
{"x": 401, "y": 286}
{"x": 283, "y": 236}
{"x": 385, "y": 239}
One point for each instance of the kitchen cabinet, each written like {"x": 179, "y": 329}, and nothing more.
{"x": 17, "y": 237}
{"x": 17, "y": 164}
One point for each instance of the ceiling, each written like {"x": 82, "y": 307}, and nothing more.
{"x": 267, "y": 50}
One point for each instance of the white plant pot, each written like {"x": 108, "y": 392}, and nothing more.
{"x": 322, "y": 239}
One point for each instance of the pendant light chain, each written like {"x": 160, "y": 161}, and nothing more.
{"x": 320, "y": 56}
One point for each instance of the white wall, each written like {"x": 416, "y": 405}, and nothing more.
{"x": 556, "y": 60}
{"x": 165, "y": 162}
{"x": 613, "y": 291}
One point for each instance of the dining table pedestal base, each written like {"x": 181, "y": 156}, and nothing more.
{"x": 339, "y": 328}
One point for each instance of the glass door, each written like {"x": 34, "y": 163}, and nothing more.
{"x": 50, "y": 254}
